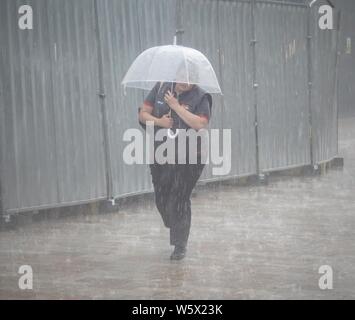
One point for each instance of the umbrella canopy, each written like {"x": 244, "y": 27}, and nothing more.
{"x": 171, "y": 63}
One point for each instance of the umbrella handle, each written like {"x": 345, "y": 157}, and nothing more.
{"x": 171, "y": 135}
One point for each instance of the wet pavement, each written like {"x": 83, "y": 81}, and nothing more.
{"x": 246, "y": 242}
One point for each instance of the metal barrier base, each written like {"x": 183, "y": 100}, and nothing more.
{"x": 12, "y": 221}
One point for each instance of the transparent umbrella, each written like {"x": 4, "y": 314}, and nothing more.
{"x": 171, "y": 63}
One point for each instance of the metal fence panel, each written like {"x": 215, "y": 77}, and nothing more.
{"x": 324, "y": 108}
{"x": 28, "y": 173}
{"x": 78, "y": 125}
{"x": 120, "y": 43}
{"x": 238, "y": 112}
{"x": 346, "y": 72}
{"x": 127, "y": 28}
{"x": 201, "y": 31}
{"x": 51, "y": 129}
{"x": 157, "y": 21}
{"x": 283, "y": 117}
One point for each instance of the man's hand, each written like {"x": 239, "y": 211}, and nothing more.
{"x": 171, "y": 100}
{"x": 165, "y": 122}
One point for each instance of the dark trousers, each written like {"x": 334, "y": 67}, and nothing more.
{"x": 173, "y": 185}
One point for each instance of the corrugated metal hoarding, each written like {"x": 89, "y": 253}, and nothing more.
{"x": 237, "y": 111}
{"x": 126, "y": 29}
{"x": 77, "y": 116}
{"x": 120, "y": 44}
{"x": 51, "y": 129}
{"x": 63, "y": 110}
{"x": 346, "y": 63}
{"x": 27, "y": 113}
{"x": 201, "y": 34}
{"x": 324, "y": 105}
{"x": 282, "y": 79}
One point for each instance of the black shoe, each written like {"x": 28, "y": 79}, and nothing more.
{"x": 178, "y": 253}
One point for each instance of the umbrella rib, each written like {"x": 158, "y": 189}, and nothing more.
{"x": 187, "y": 69}
{"x": 150, "y": 66}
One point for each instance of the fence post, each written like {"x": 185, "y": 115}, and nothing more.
{"x": 179, "y": 28}
{"x": 102, "y": 95}
{"x": 336, "y": 90}
{"x": 255, "y": 84}
{"x": 1, "y": 207}
{"x": 2, "y": 213}
{"x": 220, "y": 62}
{"x": 5, "y": 218}
{"x": 310, "y": 84}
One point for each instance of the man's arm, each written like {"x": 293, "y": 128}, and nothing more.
{"x": 145, "y": 114}
{"x": 192, "y": 120}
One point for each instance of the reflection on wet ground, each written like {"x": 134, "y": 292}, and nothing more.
{"x": 251, "y": 242}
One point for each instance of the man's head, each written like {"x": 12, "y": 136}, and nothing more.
{"x": 182, "y": 87}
